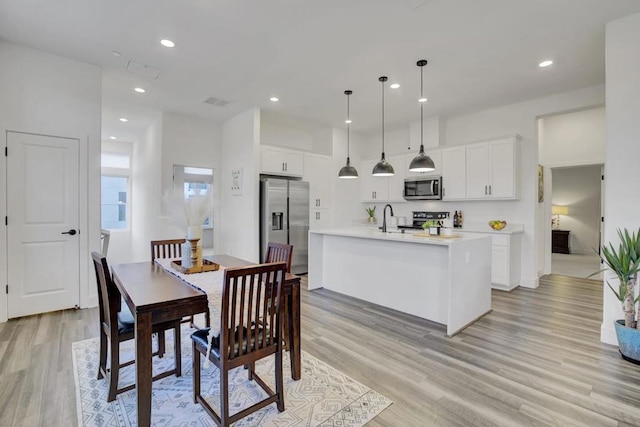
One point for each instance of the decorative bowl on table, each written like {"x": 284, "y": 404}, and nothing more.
{"x": 497, "y": 224}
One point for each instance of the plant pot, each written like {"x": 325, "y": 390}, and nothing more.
{"x": 628, "y": 342}
{"x": 372, "y": 219}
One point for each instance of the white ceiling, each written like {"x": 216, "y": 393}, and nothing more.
{"x": 481, "y": 53}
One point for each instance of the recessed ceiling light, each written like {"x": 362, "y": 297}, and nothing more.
{"x": 348, "y": 121}
{"x": 139, "y": 90}
{"x": 112, "y": 137}
{"x": 116, "y": 53}
{"x": 394, "y": 85}
{"x": 545, "y": 63}
{"x": 122, "y": 119}
{"x": 422, "y": 99}
{"x": 274, "y": 99}
{"x": 167, "y": 43}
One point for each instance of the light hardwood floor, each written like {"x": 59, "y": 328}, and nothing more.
{"x": 535, "y": 360}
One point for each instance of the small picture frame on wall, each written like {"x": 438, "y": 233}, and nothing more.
{"x": 236, "y": 182}
{"x": 540, "y": 184}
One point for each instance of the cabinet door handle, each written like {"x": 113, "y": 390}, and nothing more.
{"x": 489, "y": 189}
{"x": 282, "y": 166}
{"x": 485, "y": 190}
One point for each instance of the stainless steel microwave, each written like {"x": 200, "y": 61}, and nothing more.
{"x": 423, "y": 188}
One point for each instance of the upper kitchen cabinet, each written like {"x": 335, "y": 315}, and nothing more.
{"x": 380, "y": 189}
{"x": 454, "y": 173}
{"x": 436, "y": 156}
{"x": 317, "y": 171}
{"x": 492, "y": 169}
{"x": 280, "y": 161}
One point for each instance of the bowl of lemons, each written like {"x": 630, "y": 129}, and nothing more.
{"x": 497, "y": 224}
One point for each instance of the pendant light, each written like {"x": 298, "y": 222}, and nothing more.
{"x": 382, "y": 168}
{"x": 348, "y": 171}
{"x": 422, "y": 162}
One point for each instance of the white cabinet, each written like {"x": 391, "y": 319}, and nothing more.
{"x": 436, "y": 156}
{"x": 319, "y": 219}
{"x": 280, "y": 161}
{"x": 454, "y": 173}
{"x": 505, "y": 259}
{"x": 317, "y": 171}
{"x": 380, "y": 189}
{"x": 492, "y": 171}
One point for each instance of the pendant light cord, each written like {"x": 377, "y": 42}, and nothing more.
{"x": 421, "y": 111}
{"x": 382, "y": 80}
{"x": 349, "y": 123}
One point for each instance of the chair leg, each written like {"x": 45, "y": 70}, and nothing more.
{"x": 224, "y": 397}
{"x": 250, "y": 369}
{"x": 161, "y": 344}
{"x": 115, "y": 369}
{"x": 279, "y": 381}
{"x": 177, "y": 351}
{"x": 195, "y": 367}
{"x": 104, "y": 342}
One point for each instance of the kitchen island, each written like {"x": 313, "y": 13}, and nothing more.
{"x": 446, "y": 280}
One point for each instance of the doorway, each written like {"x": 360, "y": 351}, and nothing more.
{"x": 43, "y": 268}
{"x": 576, "y": 200}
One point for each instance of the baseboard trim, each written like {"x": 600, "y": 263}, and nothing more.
{"x": 530, "y": 282}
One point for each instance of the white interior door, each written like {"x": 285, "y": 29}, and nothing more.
{"x": 42, "y": 232}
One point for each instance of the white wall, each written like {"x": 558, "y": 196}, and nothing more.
{"x": 145, "y": 191}
{"x": 239, "y": 213}
{"x": 285, "y": 136}
{"x": 622, "y": 179}
{"x": 578, "y": 188}
{"x": 189, "y": 141}
{"x": 573, "y": 139}
{"x": 51, "y": 95}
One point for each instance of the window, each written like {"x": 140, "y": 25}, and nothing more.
{"x": 115, "y": 185}
{"x": 114, "y": 202}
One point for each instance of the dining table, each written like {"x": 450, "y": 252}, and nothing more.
{"x": 155, "y": 294}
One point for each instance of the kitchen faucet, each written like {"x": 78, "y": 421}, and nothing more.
{"x": 384, "y": 217}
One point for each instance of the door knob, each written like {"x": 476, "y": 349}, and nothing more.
{"x": 71, "y": 232}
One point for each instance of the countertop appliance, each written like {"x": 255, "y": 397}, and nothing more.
{"x": 419, "y": 217}
{"x": 284, "y": 218}
{"x": 423, "y": 188}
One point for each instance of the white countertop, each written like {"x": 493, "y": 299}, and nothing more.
{"x": 396, "y": 236}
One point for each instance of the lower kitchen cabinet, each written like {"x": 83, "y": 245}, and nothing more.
{"x": 505, "y": 260}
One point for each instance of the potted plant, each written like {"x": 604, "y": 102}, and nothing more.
{"x": 372, "y": 214}
{"x": 625, "y": 263}
{"x": 433, "y": 226}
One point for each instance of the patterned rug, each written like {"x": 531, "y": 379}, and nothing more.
{"x": 323, "y": 397}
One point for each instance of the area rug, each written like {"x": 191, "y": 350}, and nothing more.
{"x": 323, "y": 397}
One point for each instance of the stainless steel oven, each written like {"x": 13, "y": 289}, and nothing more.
{"x": 423, "y": 188}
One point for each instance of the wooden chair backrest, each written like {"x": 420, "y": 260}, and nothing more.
{"x": 171, "y": 248}
{"x": 251, "y": 311}
{"x": 279, "y": 252}
{"x": 108, "y": 295}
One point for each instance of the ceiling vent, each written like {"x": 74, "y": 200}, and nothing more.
{"x": 215, "y": 101}
{"x": 147, "y": 71}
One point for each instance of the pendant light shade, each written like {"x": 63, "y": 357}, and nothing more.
{"x": 422, "y": 162}
{"x": 383, "y": 168}
{"x": 348, "y": 171}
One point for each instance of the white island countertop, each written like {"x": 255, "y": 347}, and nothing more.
{"x": 397, "y": 236}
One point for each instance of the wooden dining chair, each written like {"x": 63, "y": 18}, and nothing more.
{"x": 250, "y": 331}
{"x": 170, "y": 249}
{"x": 117, "y": 324}
{"x": 279, "y": 252}
{"x": 163, "y": 249}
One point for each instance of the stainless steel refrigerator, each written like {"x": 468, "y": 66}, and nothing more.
{"x": 284, "y": 218}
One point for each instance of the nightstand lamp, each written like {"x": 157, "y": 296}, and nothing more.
{"x": 556, "y": 211}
